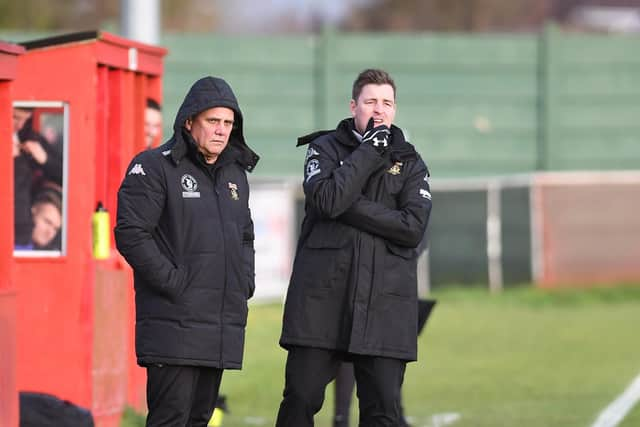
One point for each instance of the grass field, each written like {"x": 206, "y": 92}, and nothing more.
{"x": 522, "y": 358}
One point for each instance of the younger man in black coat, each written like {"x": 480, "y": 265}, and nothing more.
{"x": 353, "y": 291}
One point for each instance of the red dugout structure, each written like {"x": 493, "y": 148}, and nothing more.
{"x": 75, "y": 313}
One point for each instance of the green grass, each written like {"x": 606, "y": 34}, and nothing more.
{"x": 521, "y": 358}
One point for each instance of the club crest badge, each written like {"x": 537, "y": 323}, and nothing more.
{"x": 312, "y": 169}
{"x": 190, "y": 187}
{"x": 395, "y": 169}
{"x": 233, "y": 190}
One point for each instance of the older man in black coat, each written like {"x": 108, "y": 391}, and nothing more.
{"x": 184, "y": 226}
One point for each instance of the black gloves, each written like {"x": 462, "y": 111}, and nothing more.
{"x": 379, "y": 136}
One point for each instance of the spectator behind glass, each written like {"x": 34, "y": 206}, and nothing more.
{"x": 35, "y": 147}
{"x": 152, "y": 123}
{"x": 34, "y": 160}
{"x": 47, "y": 221}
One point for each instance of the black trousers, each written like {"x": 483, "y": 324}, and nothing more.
{"x": 345, "y": 382}
{"x": 309, "y": 370}
{"x": 181, "y": 396}
{"x": 344, "y": 385}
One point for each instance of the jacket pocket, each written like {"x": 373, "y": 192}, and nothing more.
{"x": 320, "y": 263}
{"x": 400, "y": 271}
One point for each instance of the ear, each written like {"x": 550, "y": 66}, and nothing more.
{"x": 187, "y": 124}
{"x": 352, "y": 107}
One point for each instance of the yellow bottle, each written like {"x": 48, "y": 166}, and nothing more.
{"x": 216, "y": 418}
{"x": 101, "y": 233}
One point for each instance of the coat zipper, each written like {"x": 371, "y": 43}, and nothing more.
{"x": 214, "y": 178}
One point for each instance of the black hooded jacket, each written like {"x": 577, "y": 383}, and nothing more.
{"x": 353, "y": 286}
{"x": 186, "y": 230}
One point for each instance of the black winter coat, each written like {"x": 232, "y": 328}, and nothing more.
{"x": 353, "y": 286}
{"x": 186, "y": 229}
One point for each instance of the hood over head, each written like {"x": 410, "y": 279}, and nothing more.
{"x": 210, "y": 92}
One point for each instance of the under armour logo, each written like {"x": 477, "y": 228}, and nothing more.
{"x": 378, "y": 137}
{"x": 379, "y": 141}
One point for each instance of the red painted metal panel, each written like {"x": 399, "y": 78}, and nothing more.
{"x": 8, "y": 60}
{"x": 7, "y": 67}
{"x": 139, "y": 105}
{"x": 123, "y": 42}
{"x": 6, "y": 187}
{"x": 109, "y": 370}
{"x": 55, "y": 294}
{"x": 8, "y": 393}
{"x": 102, "y": 133}
{"x": 8, "y": 389}
{"x": 12, "y": 49}
{"x": 116, "y": 134}
{"x": 119, "y": 53}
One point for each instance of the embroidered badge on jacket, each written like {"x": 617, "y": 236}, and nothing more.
{"x": 137, "y": 170}
{"x": 233, "y": 189}
{"x": 189, "y": 185}
{"x": 395, "y": 169}
{"x": 312, "y": 169}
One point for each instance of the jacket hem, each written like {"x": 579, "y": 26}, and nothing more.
{"x": 152, "y": 360}
{"x": 408, "y": 357}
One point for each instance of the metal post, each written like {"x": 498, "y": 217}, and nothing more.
{"x": 494, "y": 237}
{"x": 140, "y": 20}
{"x": 424, "y": 280}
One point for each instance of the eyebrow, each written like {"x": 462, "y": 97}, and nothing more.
{"x": 220, "y": 119}
{"x": 375, "y": 99}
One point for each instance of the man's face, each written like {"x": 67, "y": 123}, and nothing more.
{"x": 377, "y": 101}
{"x": 211, "y": 130}
{"x": 152, "y": 126}
{"x": 19, "y": 118}
{"x": 46, "y": 223}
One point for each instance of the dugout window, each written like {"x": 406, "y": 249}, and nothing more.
{"x": 40, "y": 154}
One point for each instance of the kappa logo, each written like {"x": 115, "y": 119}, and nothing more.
{"x": 137, "y": 170}
{"x": 190, "y": 185}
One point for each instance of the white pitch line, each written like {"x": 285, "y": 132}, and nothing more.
{"x": 618, "y": 409}
{"x": 440, "y": 420}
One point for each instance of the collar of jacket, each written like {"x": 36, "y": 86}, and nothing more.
{"x": 178, "y": 144}
{"x": 400, "y": 148}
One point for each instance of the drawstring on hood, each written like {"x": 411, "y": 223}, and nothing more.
{"x": 211, "y": 92}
